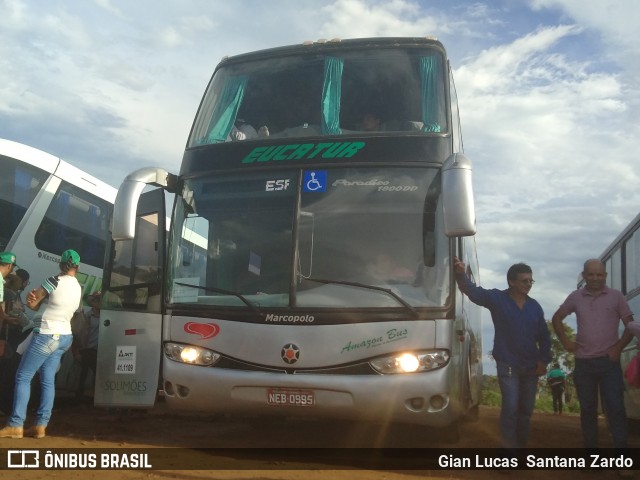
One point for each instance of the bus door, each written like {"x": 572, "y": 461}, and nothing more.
{"x": 130, "y": 341}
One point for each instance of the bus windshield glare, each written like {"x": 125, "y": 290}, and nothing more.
{"x": 361, "y": 91}
{"x": 252, "y": 237}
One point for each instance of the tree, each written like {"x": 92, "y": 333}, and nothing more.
{"x": 558, "y": 353}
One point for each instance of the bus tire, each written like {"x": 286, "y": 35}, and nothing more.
{"x": 450, "y": 434}
{"x": 473, "y": 414}
{"x": 471, "y": 411}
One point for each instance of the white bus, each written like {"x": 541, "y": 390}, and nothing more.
{"x": 622, "y": 261}
{"x": 322, "y": 196}
{"x": 47, "y": 206}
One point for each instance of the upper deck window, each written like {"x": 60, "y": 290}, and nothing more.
{"x": 354, "y": 92}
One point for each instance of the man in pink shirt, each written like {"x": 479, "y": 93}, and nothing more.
{"x": 597, "y": 349}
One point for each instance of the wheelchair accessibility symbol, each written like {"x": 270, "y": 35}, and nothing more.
{"x": 314, "y": 181}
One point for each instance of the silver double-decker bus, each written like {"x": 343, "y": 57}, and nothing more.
{"x": 308, "y": 269}
{"x": 622, "y": 262}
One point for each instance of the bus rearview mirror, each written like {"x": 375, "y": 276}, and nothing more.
{"x": 457, "y": 197}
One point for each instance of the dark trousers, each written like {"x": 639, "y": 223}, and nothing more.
{"x": 8, "y": 369}
{"x": 88, "y": 360}
{"x": 556, "y": 394}
{"x": 601, "y": 374}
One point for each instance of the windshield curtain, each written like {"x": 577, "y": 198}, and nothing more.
{"x": 331, "y": 96}
{"x": 432, "y": 94}
{"x": 339, "y": 241}
{"x": 226, "y": 109}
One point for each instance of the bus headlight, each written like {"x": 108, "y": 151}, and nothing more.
{"x": 180, "y": 352}
{"x": 411, "y": 362}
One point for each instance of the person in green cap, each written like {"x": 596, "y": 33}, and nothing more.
{"x": 52, "y": 337}
{"x": 7, "y": 264}
{"x": 556, "y": 379}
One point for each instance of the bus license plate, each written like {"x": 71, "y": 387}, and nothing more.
{"x": 296, "y": 398}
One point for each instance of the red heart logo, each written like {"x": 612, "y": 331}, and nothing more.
{"x": 205, "y": 330}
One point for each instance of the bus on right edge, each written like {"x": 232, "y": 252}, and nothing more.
{"x": 622, "y": 261}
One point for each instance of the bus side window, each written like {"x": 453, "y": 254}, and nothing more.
{"x": 75, "y": 219}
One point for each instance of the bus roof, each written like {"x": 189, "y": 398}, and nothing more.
{"x": 30, "y": 155}
{"x": 633, "y": 225}
{"x": 52, "y": 164}
{"x": 324, "y": 46}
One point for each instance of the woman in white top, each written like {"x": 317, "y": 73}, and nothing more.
{"x": 51, "y": 339}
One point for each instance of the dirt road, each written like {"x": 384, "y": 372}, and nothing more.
{"x": 85, "y": 427}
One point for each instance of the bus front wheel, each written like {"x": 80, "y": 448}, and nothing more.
{"x": 450, "y": 434}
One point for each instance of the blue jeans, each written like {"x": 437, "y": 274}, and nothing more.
{"x": 593, "y": 375}
{"x": 43, "y": 354}
{"x": 518, "y": 388}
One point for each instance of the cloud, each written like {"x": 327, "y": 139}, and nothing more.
{"x": 496, "y": 68}
{"x": 14, "y": 13}
{"x": 540, "y": 118}
{"x": 187, "y": 31}
{"x": 616, "y": 20}
{"x": 68, "y": 28}
{"x": 549, "y": 136}
{"x": 381, "y": 18}
{"x": 108, "y": 6}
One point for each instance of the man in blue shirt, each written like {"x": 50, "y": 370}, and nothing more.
{"x": 521, "y": 346}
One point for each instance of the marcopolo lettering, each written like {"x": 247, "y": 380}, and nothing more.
{"x": 290, "y": 318}
{"x": 304, "y": 151}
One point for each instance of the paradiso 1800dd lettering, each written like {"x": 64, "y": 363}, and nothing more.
{"x": 303, "y": 151}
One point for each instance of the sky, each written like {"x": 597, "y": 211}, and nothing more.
{"x": 548, "y": 93}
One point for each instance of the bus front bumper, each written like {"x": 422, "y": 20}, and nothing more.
{"x": 416, "y": 398}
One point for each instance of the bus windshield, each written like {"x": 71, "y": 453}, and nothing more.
{"x": 334, "y": 238}
{"x": 353, "y": 92}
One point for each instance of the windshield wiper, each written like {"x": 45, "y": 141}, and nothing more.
{"x": 388, "y": 291}
{"x": 248, "y": 303}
